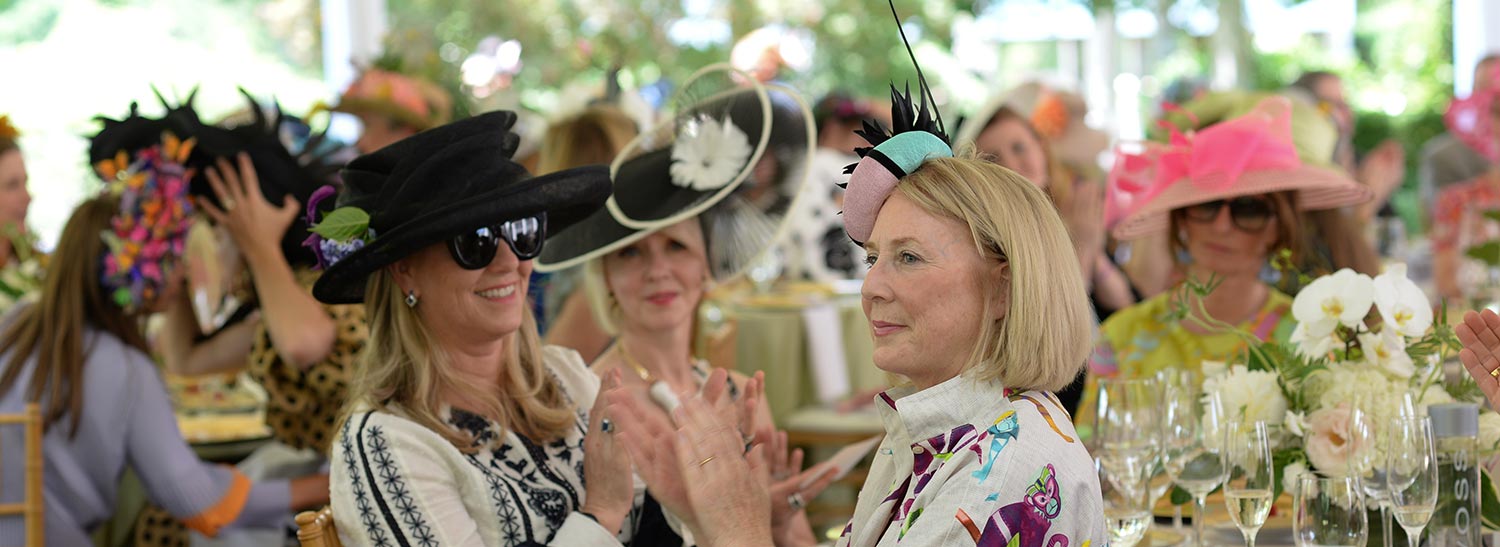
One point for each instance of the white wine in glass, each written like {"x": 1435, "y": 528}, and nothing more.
{"x": 1251, "y": 480}
{"x": 1411, "y": 475}
{"x": 1127, "y": 516}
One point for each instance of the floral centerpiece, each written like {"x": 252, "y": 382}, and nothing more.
{"x": 1372, "y": 344}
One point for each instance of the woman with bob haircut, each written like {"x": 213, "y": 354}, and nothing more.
{"x": 977, "y": 448}
{"x": 462, "y": 429}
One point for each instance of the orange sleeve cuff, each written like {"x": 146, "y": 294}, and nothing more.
{"x": 226, "y": 510}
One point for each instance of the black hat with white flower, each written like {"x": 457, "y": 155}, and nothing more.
{"x": 734, "y": 155}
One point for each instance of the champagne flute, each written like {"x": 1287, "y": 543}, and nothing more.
{"x": 1411, "y": 475}
{"x": 1368, "y": 442}
{"x": 1129, "y": 427}
{"x": 1191, "y": 447}
{"x": 1250, "y": 481}
{"x": 1329, "y": 512}
{"x": 1127, "y": 516}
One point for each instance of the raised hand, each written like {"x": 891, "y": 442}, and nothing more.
{"x": 255, "y": 224}
{"x": 610, "y": 488}
{"x": 1480, "y": 334}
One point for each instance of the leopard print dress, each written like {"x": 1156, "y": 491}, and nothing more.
{"x": 302, "y": 405}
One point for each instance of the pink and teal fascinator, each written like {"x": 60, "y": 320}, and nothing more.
{"x": 149, "y": 232}
{"x": 916, "y": 135}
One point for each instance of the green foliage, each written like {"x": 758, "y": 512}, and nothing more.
{"x": 343, "y": 224}
{"x": 1489, "y": 503}
{"x": 23, "y": 21}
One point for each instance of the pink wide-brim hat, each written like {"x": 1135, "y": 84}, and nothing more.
{"x": 1246, "y": 156}
{"x": 1471, "y": 119}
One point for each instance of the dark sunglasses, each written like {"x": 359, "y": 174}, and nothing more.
{"x": 1248, "y": 214}
{"x": 474, "y": 250}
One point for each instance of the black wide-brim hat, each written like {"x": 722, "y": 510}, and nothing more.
{"x": 444, "y": 182}
{"x": 774, "y": 124}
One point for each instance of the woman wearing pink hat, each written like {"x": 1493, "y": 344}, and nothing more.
{"x": 1228, "y": 198}
{"x": 1458, "y": 220}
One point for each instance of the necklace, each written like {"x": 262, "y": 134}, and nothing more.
{"x": 632, "y": 363}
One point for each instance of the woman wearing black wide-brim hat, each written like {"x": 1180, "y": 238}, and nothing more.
{"x": 462, "y": 428}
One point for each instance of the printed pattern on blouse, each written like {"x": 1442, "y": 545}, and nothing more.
{"x": 969, "y": 474}
{"x": 545, "y": 479}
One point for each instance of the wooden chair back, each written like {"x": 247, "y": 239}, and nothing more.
{"x": 316, "y": 529}
{"x": 32, "y": 503}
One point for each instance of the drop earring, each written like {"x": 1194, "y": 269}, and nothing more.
{"x": 411, "y": 299}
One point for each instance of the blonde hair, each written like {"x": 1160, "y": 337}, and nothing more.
{"x": 602, "y": 304}
{"x": 402, "y": 366}
{"x": 1044, "y": 339}
{"x": 590, "y": 137}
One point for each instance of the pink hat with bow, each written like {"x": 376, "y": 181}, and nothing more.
{"x": 1471, "y": 119}
{"x": 1250, "y": 155}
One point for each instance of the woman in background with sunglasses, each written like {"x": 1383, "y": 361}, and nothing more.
{"x": 1228, "y": 198}
{"x": 461, "y": 428}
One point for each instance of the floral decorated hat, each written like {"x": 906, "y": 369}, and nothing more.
{"x": 732, "y": 156}
{"x": 1471, "y": 119}
{"x": 1252, "y": 154}
{"x": 409, "y": 100}
{"x": 147, "y": 236}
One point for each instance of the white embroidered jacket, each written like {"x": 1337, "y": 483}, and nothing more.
{"x": 971, "y": 463}
{"x": 397, "y": 483}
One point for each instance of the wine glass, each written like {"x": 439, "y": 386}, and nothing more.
{"x": 1329, "y": 512}
{"x": 1127, "y": 515}
{"x": 1249, "y": 481}
{"x": 1129, "y": 426}
{"x": 1191, "y": 443}
{"x": 1411, "y": 474}
{"x": 1370, "y": 442}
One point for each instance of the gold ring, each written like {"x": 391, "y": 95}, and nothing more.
{"x": 1495, "y": 373}
{"x": 705, "y": 461}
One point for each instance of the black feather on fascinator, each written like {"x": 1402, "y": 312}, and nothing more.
{"x": 917, "y": 134}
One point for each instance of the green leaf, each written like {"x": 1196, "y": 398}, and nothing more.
{"x": 343, "y": 224}
{"x": 1493, "y": 215}
{"x": 1488, "y": 253}
{"x": 1180, "y": 496}
{"x": 1489, "y": 502}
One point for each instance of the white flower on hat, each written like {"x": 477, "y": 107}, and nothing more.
{"x": 1343, "y": 298}
{"x": 708, "y": 153}
{"x": 1402, "y": 304}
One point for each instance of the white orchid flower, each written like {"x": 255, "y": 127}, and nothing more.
{"x": 1343, "y": 298}
{"x": 1386, "y": 351}
{"x": 1295, "y": 423}
{"x": 1402, "y": 304}
{"x": 1314, "y": 347}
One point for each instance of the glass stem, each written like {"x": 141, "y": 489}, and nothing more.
{"x": 1413, "y": 537}
{"x": 1198, "y": 509}
{"x": 1385, "y": 526}
{"x": 1250, "y": 536}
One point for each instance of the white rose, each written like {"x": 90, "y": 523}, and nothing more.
{"x": 1489, "y": 430}
{"x": 1290, "y": 474}
{"x": 1254, "y": 395}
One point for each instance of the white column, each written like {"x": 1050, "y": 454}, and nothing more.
{"x": 352, "y": 34}
{"x": 1476, "y": 33}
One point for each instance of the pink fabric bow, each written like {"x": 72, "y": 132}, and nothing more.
{"x": 1213, "y": 159}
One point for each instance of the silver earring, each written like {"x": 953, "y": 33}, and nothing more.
{"x": 411, "y": 299}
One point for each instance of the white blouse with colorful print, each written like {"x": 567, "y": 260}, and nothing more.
{"x": 972, "y": 463}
